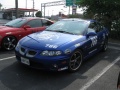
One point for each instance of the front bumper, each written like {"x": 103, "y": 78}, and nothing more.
{"x": 51, "y": 63}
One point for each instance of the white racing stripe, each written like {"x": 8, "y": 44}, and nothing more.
{"x": 89, "y": 83}
{"x": 7, "y": 58}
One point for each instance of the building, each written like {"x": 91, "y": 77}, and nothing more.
{"x": 11, "y": 12}
{"x": 1, "y": 14}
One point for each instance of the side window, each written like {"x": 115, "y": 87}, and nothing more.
{"x": 94, "y": 27}
{"x": 35, "y": 23}
{"x": 46, "y": 22}
{"x": 91, "y": 27}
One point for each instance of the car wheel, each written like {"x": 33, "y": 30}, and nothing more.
{"x": 105, "y": 45}
{"x": 9, "y": 43}
{"x": 75, "y": 61}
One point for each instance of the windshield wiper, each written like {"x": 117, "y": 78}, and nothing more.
{"x": 48, "y": 30}
{"x": 63, "y": 32}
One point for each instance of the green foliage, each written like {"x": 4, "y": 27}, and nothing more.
{"x": 108, "y": 11}
{"x": 76, "y": 16}
{"x": 38, "y": 14}
{"x": 100, "y": 6}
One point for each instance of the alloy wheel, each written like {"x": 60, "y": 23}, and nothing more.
{"x": 9, "y": 43}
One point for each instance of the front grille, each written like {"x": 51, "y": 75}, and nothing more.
{"x": 31, "y": 53}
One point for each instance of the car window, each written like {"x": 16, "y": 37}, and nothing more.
{"x": 93, "y": 27}
{"x": 46, "y": 22}
{"x": 16, "y": 23}
{"x": 75, "y": 27}
{"x": 35, "y": 23}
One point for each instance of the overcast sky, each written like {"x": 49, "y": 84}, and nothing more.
{"x": 53, "y": 10}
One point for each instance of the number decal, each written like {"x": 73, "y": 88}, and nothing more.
{"x": 51, "y": 46}
{"x": 94, "y": 41}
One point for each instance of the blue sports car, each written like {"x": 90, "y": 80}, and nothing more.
{"x": 63, "y": 45}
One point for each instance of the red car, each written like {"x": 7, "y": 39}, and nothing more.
{"x": 13, "y": 31}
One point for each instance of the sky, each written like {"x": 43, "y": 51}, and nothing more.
{"x": 53, "y": 10}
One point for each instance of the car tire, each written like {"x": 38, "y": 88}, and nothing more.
{"x": 105, "y": 45}
{"x": 75, "y": 61}
{"x": 9, "y": 43}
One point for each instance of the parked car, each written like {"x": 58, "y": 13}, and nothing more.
{"x": 118, "y": 82}
{"x": 13, "y": 31}
{"x": 63, "y": 45}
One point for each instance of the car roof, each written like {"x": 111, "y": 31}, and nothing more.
{"x": 30, "y": 18}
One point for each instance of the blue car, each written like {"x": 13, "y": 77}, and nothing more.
{"x": 63, "y": 45}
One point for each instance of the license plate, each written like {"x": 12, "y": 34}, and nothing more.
{"x": 25, "y": 61}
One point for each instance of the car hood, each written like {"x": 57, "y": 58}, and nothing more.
{"x": 47, "y": 39}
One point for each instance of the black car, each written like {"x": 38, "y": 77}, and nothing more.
{"x": 118, "y": 83}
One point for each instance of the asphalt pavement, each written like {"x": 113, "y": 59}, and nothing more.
{"x": 100, "y": 72}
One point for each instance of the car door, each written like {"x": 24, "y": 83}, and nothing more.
{"x": 100, "y": 34}
{"x": 89, "y": 45}
{"x": 36, "y": 25}
{"x": 92, "y": 40}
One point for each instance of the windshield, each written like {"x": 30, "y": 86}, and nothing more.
{"x": 16, "y": 23}
{"x": 68, "y": 26}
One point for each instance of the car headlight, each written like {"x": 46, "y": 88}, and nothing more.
{"x": 18, "y": 46}
{"x": 51, "y": 53}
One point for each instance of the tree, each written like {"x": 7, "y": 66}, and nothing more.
{"x": 0, "y": 6}
{"x": 107, "y": 10}
{"x": 38, "y": 14}
{"x": 100, "y": 6}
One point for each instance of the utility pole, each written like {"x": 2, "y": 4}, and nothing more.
{"x": 16, "y": 7}
{"x": 26, "y": 4}
{"x": 69, "y": 11}
{"x": 33, "y": 7}
{"x": 26, "y": 8}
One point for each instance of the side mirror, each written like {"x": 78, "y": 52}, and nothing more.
{"x": 26, "y": 26}
{"x": 91, "y": 34}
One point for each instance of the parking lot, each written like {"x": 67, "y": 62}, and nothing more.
{"x": 97, "y": 73}
{"x": 100, "y": 72}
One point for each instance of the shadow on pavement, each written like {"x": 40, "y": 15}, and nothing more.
{"x": 18, "y": 77}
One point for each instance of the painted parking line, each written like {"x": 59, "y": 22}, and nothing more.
{"x": 7, "y": 58}
{"x": 113, "y": 47}
{"x": 114, "y": 43}
{"x": 91, "y": 81}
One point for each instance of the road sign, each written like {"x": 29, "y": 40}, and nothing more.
{"x": 74, "y": 8}
{"x": 69, "y": 2}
